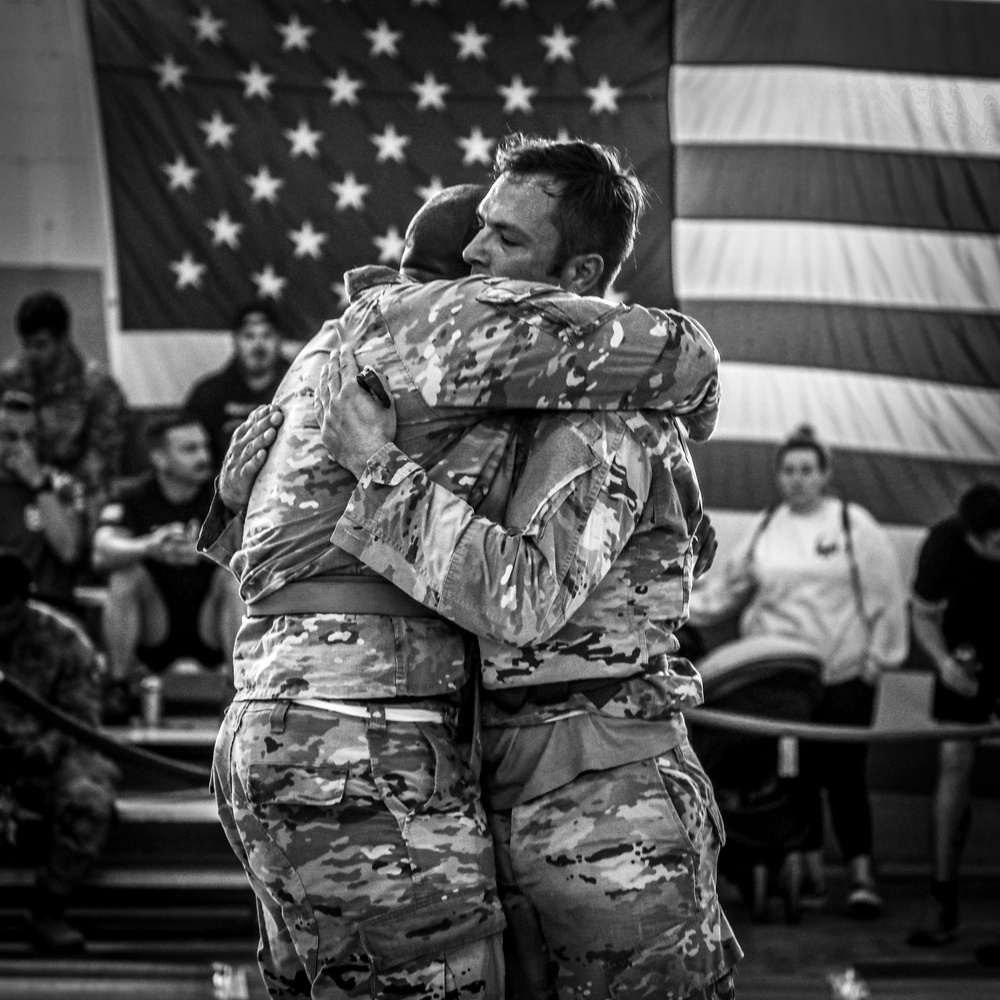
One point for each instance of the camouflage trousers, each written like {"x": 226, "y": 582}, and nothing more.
{"x": 609, "y": 886}
{"x": 367, "y": 848}
{"x": 77, "y": 801}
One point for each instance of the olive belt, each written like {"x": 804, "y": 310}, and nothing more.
{"x": 344, "y": 595}
{"x": 598, "y": 690}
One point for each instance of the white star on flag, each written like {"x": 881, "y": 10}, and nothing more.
{"x": 477, "y": 148}
{"x": 218, "y": 132}
{"x": 256, "y": 83}
{"x": 390, "y": 144}
{"x": 171, "y": 73}
{"x": 181, "y": 174}
{"x": 294, "y": 34}
{"x": 225, "y": 230}
{"x": 264, "y": 185}
{"x": 350, "y": 194}
{"x": 269, "y": 283}
{"x": 563, "y": 135}
{"x": 206, "y": 27}
{"x": 471, "y": 43}
{"x": 390, "y": 246}
{"x": 559, "y": 45}
{"x": 598, "y": 4}
{"x": 303, "y": 139}
{"x": 430, "y": 3}
{"x": 430, "y": 93}
{"x": 603, "y": 97}
{"x": 308, "y": 241}
{"x": 383, "y": 39}
{"x": 188, "y": 271}
{"x": 511, "y": 4}
{"x": 343, "y": 88}
{"x": 429, "y": 190}
{"x": 517, "y": 96}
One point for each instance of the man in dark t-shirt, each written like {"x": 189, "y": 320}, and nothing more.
{"x": 222, "y": 400}
{"x": 165, "y": 600}
{"x": 956, "y": 598}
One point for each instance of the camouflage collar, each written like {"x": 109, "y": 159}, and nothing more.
{"x": 360, "y": 279}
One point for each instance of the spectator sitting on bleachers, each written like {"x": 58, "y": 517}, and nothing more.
{"x": 222, "y": 399}
{"x": 41, "y": 508}
{"x": 165, "y": 601}
{"x": 41, "y": 768}
{"x": 80, "y": 408}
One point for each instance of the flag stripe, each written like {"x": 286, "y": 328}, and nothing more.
{"x": 896, "y": 489}
{"x": 872, "y": 411}
{"x": 961, "y": 348}
{"x": 895, "y": 35}
{"x": 818, "y": 262}
{"x": 810, "y": 106}
{"x": 819, "y": 184}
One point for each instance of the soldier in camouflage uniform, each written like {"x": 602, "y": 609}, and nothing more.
{"x": 292, "y": 761}
{"x": 606, "y": 829}
{"x": 71, "y": 786}
{"x": 81, "y": 410}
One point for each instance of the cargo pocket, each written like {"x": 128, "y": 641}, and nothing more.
{"x": 430, "y": 927}
{"x": 296, "y": 785}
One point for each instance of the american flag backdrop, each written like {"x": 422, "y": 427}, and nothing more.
{"x": 263, "y": 148}
{"x": 825, "y": 178}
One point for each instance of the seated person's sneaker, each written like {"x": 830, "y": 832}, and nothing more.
{"x": 863, "y": 901}
{"x": 939, "y": 925}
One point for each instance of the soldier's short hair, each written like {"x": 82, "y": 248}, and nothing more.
{"x": 600, "y": 197}
{"x": 43, "y": 311}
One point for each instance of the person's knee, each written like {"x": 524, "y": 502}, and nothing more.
{"x": 128, "y": 584}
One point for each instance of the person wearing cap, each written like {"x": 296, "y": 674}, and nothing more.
{"x": 44, "y": 770}
{"x": 81, "y": 410}
{"x": 477, "y": 342}
{"x": 822, "y": 570}
{"x": 224, "y": 398}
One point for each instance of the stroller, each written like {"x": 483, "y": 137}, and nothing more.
{"x": 755, "y": 777}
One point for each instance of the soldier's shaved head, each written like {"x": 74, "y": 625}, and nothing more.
{"x": 439, "y": 232}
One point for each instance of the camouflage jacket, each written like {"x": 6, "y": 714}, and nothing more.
{"x": 454, "y": 353}
{"x": 50, "y": 654}
{"x": 81, "y": 416}
{"x": 588, "y": 577}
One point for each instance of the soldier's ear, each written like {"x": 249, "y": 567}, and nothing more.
{"x": 582, "y": 273}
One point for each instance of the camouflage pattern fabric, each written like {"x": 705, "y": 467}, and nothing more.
{"x": 313, "y": 803}
{"x": 590, "y": 575}
{"x": 620, "y": 869}
{"x": 71, "y": 786}
{"x": 452, "y": 352}
{"x": 81, "y": 417}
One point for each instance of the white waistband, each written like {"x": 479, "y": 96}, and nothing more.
{"x": 361, "y": 711}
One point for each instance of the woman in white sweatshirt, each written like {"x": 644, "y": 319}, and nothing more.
{"x": 823, "y": 571}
